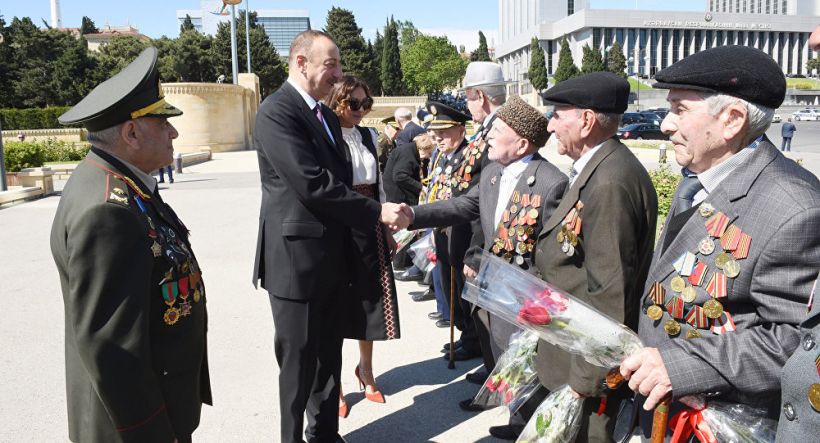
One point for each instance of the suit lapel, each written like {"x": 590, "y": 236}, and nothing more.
{"x": 573, "y": 193}
{"x": 310, "y": 116}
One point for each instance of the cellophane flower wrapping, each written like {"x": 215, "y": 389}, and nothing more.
{"x": 423, "y": 253}
{"x": 513, "y": 379}
{"x": 557, "y": 317}
{"x": 557, "y": 419}
{"x": 734, "y": 423}
{"x": 403, "y": 238}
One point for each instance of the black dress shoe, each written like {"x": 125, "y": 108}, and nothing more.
{"x": 446, "y": 347}
{"x": 467, "y": 405}
{"x": 424, "y": 296}
{"x": 443, "y": 323}
{"x": 461, "y": 355}
{"x": 506, "y": 432}
{"x": 434, "y": 316}
{"x": 477, "y": 377}
{"x": 404, "y": 276}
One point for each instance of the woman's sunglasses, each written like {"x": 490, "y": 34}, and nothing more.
{"x": 356, "y": 104}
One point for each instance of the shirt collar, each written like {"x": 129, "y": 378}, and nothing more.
{"x": 517, "y": 167}
{"x": 311, "y": 102}
{"x": 711, "y": 178}
{"x": 147, "y": 179}
{"x": 582, "y": 162}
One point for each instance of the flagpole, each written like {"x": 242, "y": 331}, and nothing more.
{"x": 248, "y": 33}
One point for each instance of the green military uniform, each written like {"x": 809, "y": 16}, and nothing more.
{"x": 135, "y": 316}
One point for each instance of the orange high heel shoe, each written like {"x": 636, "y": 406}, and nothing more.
{"x": 374, "y": 396}
{"x": 344, "y": 411}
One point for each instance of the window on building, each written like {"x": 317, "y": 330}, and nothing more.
{"x": 653, "y": 52}
{"x": 664, "y": 48}
{"x": 783, "y": 9}
{"x": 570, "y": 7}
{"x": 549, "y": 56}
{"x": 709, "y": 38}
{"x": 596, "y": 37}
{"x": 781, "y": 44}
{"x": 676, "y": 45}
{"x": 744, "y": 6}
{"x": 792, "y": 37}
{"x": 698, "y": 41}
{"x": 630, "y": 47}
{"x": 768, "y": 6}
{"x": 800, "y": 46}
{"x": 687, "y": 42}
{"x": 607, "y": 37}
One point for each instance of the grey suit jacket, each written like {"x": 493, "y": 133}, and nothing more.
{"x": 611, "y": 260}
{"x": 777, "y": 203}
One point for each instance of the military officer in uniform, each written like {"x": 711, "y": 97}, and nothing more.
{"x": 135, "y": 317}
{"x": 732, "y": 272}
{"x": 800, "y": 384}
{"x": 597, "y": 244}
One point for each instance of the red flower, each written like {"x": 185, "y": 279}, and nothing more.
{"x": 490, "y": 385}
{"x": 533, "y": 313}
{"x": 508, "y": 397}
{"x": 431, "y": 255}
{"x": 554, "y": 301}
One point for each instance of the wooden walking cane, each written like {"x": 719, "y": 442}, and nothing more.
{"x": 452, "y": 364}
{"x": 659, "y": 420}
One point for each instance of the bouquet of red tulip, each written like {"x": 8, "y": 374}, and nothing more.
{"x": 557, "y": 419}
{"x": 423, "y": 253}
{"x": 557, "y": 317}
{"x": 513, "y": 379}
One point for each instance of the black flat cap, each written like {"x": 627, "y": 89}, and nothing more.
{"x": 739, "y": 71}
{"x": 599, "y": 91}
{"x": 444, "y": 116}
{"x": 134, "y": 92}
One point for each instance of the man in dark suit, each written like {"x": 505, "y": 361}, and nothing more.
{"x": 598, "y": 243}
{"x": 304, "y": 232}
{"x": 731, "y": 276}
{"x": 408, "y": 129}
{"x": 787, "y": 132}
{"x": 402, "y": 174}
{"x": 135, "y": 317}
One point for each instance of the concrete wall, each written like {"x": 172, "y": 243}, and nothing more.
{"x": 71, "y": 135}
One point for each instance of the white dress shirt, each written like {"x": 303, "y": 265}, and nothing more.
{"x": 363, "y": 162}
{"x": 711, "y": 178}
{"x": 579, "y": 164}
{"x": 509, "y": 179}
{"x": 147, "y": 179}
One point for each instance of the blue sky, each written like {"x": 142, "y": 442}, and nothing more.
{"x": 460, "y": 20}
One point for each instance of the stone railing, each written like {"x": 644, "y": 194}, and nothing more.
{"x": 63, "y": 134}
{"x": 412, "y": 101}
{"x": 33, "y": 183}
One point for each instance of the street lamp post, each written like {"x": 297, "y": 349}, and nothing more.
{"x": 248, "y": 33}
{"x": 2, "y": 162}
{"x": 234, "y": 57}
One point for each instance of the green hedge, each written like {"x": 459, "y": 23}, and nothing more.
{"x": 665, "y": 182}
{"x": 31, "y": 118}
{"x": 21, "y": 155}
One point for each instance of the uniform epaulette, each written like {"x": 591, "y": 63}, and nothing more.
{"x": 116, "y": 190}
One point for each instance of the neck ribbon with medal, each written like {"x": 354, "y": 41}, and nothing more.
{"x": 691, "y": 273}
{"x": 443, "y": 181}
{"x": 515, "y": 236}
{"x": 570, "y": 230}
{"x": 473, "y": 152}
{"x": 188, "y": 282}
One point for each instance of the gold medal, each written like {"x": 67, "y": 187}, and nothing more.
{"x": 197, "y": 295}
{"x": 706, "y": 246}
{"x": 529, "y": 247}
{"x": 521, "y": 248}
{"x": 496, "y": 249}
{"x": 171, "y": 316}
{"x": 731, "y": 268}
{"x": 689, "y": 294}
{"x": 721, "y": 259}
{"x": 156, "y": 249}
{"x": 513, "y": 209}
{"x": 533, "y": 213}
{"x": 677, "y": 283}
{"x": 814, "y": 396}
{"x": 561, "y": 236}
{"x": 520, "y": 231}
{"x": 671, "y": 327}
{"x": 507, "y": 256}
{"x": 692, "y": 333}
{"x": 654, "y": 312}
{"x": 572, "y": 238}
{"x": 713, "y": 309}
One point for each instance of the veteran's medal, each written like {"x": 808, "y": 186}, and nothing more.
{"x": 731, "y": 268}
{"x": 692, "y": 333}
{"x": 169, "y": 294}
{"x": 688, "y": 294}
{"x": 706, "y": 210}
{"x": 713, "y": 309}
{"x": 814, "y": 396}
{"x": 654, "y": 312}
{"x": 156, "y": 249}
{"x": 722, "y": 259}
{"x": 706, "y": 246}
{"x": 677, "y": 283}
{"x": 671, "y": 327}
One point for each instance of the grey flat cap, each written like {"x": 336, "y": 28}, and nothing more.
{"x": 483, "y": 74}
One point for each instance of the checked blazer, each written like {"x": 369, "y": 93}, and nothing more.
{"x": 775, "y": 202}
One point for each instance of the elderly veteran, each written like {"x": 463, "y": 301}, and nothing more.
{"x": 598, "y": 243}
{"x": 135, "y": 317}
{"x": 731, "y": 276}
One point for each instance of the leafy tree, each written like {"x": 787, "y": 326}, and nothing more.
{"x": 431, "y": 64}
{"x": 192, "y": 59}
{"x": 593, "y": 61}
{"x": 187, "y": 24}
{"x": 356, "y": 61}
{"x": 371, "y": 76}
{"x": 538, "y": 66}
{"x": 116, "y": 55}
{"x": 71, "y": 71}
{"x": 166, "y": 48}
{"x": 407, "y": 33}
{"x": 7, "y": 96}
{"x": 391, "y": 69}
{"x": 615, "y": 61}
{"x": 482, "y": 53}
{"x": 462, "y": 49}
{"x": 265, "y": 60}
{"x": 378, "y": 48}
{"x": 88, "y": 27}
{"x": 566, "y": 67}
{"x": 812, "y": 64}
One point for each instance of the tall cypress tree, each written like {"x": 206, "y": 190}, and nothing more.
{"x": 615, "y": 61}
{"x": 593, "y": 61}
{"x": 88, "y": 27}
{"x": 341, "y": 25}
{"x": 378, "y": 49}
{"x": 187, "y": 24}
{"x": 566, "y": 67}
{"x": 392, "y": 80}
{"x": 482, "y": 53}
{"x": 538, "y": 66}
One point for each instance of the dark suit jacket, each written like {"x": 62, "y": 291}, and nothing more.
{"x": 614, "y": 249}
{"x": 407, "y": 134}
{"x": 307, "y": 204}
{"x": 777, "y": 203}
{"x": 130, "y": 376}
{"x": 402, "y": 176}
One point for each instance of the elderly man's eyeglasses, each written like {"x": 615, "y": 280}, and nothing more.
{"x": 356, "y": 104}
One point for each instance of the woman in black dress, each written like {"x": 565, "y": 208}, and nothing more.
{"x": 373, "y": 308}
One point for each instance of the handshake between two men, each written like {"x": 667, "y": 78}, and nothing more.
{"x": 396, "y": 216}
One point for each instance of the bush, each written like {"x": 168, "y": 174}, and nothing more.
{"x": 665, "y": 182}
{"x": 31, "y": 118}
{"x": 21, "y": 155}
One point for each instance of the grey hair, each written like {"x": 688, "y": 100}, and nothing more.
{"x": 497, "y": 94}
{"x": 403, "y": 114}
{"x": 759, "y": 117}
{"x": 607, "y": 121}
{"x": 105, "y": 138}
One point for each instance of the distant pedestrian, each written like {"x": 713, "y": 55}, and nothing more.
{"x": 170, "y": 170}
{"x": 787, "y": 132}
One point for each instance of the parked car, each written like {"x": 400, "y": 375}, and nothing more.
{"x": 659, "y": 111}
{"x": 636, "y": 117}
{"x": 642, "y": 131}
{"x": 653, "y": 116}
{"x": 776, "y": 118}
{"x": 806, "y": 114}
